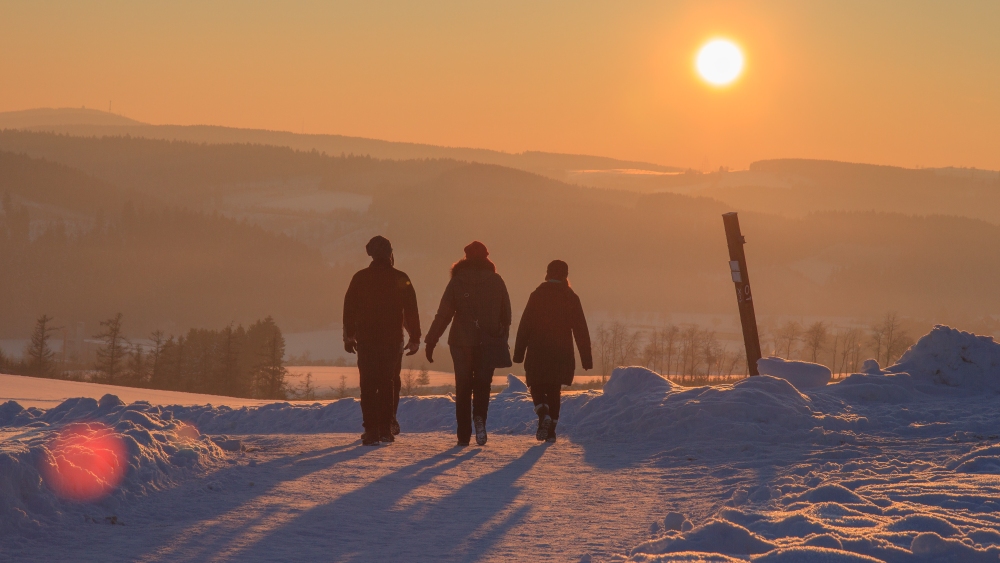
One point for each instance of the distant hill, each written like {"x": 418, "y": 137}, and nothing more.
{"x": 797, "y": 187}
{"x": 88, "y": 123}
{"x": 55, "y": 117}
{"x": 653, "y": 257}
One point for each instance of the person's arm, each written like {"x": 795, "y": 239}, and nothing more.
{"x": 351, "y": 315}
{"x": 411, "y": 316}
{"x": 505, "y": 310}
{"x": 582, "y": 334}
{"x": 524, "y": 329}
{"x": 445, "y": 312}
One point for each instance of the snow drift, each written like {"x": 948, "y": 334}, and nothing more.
{"x": 44, "y": 478}
{"x": 809, "y": 517}
{"x": 803, "y": 375}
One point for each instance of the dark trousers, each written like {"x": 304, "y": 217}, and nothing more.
{"x": 397, "y": 384}
{"x": 379, "y": 367}
{"x": 547, "y": 394}
{"x": 472, "y": 387}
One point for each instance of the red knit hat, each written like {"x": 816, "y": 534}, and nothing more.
{"x": 476, "y": 251}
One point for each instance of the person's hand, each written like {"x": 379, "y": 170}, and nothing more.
{"x": 429, "y": 351}
{"x": 412, "y": 346}
{"x": 517, "y": 359}
{"x": 351, "y": 345}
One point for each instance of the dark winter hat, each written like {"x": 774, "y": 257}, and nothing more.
{"x": 476, "y": 251}
{"x": 379, "y": 247}
{"x": 557, "y": 270}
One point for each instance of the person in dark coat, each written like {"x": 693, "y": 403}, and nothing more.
{"x": 379, "y": 304}
{"x": 552, "y": 319}
{"x": 476, "y": 299}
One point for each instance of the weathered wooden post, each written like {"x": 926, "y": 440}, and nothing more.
{"x": 744, "y": 298}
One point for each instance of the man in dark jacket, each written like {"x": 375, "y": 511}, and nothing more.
{"x": 380, "y": 302}
{"x": 552, "y": 319}
{"x": 476, "y": 298}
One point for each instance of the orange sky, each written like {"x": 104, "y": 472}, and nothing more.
{"x": 910, "y": 83}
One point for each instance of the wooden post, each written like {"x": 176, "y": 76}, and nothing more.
{"x": 741, "y": 280}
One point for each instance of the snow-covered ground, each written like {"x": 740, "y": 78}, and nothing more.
{"x": 898, "y": 465}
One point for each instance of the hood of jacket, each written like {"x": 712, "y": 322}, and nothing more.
{"x": 473, "y": 271}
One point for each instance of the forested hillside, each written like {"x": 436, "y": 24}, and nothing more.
{"x": 275, "y": 231}
{"x": 74, "y": 248}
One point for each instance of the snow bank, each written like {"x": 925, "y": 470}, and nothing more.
{"x": 87, "y": 457}
{"x": 952, "y": 360}
{"x": 831, "y": 522}
{"x": 803, "y": 375}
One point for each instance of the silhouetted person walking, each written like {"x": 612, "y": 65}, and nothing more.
{"x": 380, "y": 302}
{"x": 552, "y": 318}
{"x": 476, "y": 298}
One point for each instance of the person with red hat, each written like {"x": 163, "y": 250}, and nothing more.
{"x": 476, "y": 299}
{"x": 379, "y": 304}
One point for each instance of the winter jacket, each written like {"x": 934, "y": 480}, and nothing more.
{"x": 476, "y": 298}
{"x": 552, "y": 318}
{"x": 380, "y": 302}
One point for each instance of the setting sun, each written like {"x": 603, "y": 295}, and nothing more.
{"x": 719, "y": 62}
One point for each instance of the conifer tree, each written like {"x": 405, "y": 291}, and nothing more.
{"x": 39, "y": 357}
{"x": 111, "y": 356}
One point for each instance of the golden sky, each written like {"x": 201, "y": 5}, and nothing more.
{"x": 909, "y": 83}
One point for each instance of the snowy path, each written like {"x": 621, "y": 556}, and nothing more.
{"x": 900, "y": 467}
{"x": 326, "y": 498}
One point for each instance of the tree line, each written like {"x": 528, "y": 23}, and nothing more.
{"x": 692, "y": 353}
{"x": 689, "y": 351}
{"x": 232, "y": 361}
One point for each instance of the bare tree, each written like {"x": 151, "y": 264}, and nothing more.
{"x": 408, "y": 381}
{"x": 660, "y": 349}
{"x": 111, "y": 356}
{"x": 896, "y": 338}
{"x": 852, "y": 350}
{"x": 814, "y": 340}
{"x": 603, "y": 348}
{"x": 787, "y": 337}
{"x": 876, "y": 339}
{"x": 624, "y": 344}
{"x": 40, "y": 358}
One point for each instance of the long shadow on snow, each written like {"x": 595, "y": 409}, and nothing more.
{"x": 266, "y": 476}
{"x": 367, "y": 525}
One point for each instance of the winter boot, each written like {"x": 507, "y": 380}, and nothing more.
{"x": 552, "y": 432}
{"x": 369, "y": 439}
{"x": 544, "y": 428}
{"x": 394, "y": 427}
{"x": 386, "y": 436}
{"x": 542, "y": 410}
{"x": 480, "y": 430}
{"x": 462, "y": 443}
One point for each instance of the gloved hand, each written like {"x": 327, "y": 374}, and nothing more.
{"x": 429, "y": 351}
{"x": 412, "y": 346}
{"x": 518, "y": 358}
{"x": 351, "y": 345}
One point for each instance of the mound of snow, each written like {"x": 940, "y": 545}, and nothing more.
{"x": 803, "y": 375}
{"x": 947, "y": 357}
{"x": 637, "y": 381}
{"x": 86, "y": 453}
{"x": 871, "y": 367}
{"x": 514, "y": 385}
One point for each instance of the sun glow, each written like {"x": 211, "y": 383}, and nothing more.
{"x": 719, "y": 62}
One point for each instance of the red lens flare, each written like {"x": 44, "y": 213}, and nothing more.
{"x": 88, "y": 462}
